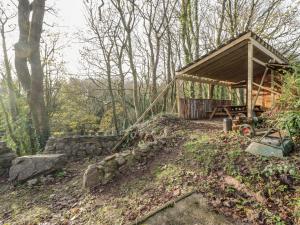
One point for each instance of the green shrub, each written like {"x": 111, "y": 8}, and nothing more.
{"x": 290, "y": 102}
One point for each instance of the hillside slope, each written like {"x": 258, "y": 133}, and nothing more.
{"x": 198, "y": 157}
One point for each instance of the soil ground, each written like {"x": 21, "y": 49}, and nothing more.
{"x": 199, "y": 157}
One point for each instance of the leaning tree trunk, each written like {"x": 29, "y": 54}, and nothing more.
{"x": 28, "y": 50}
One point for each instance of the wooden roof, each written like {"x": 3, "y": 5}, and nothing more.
{"x": 229, "y": 61}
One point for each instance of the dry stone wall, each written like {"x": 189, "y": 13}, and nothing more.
{"x": 76, "y": 147}
{"x": 6, "y": 157}
{"x": 104, "y": 171}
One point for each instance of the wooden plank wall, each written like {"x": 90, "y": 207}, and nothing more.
{"x": 265, "y": 100}
{"x": 194, "y": 109}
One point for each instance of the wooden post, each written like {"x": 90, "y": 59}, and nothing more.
{"x": 249, "y": 80}
{"x": 179, "y": 84}
{"x": 272, "y": 88}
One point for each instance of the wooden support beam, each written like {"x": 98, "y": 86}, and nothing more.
{"x": 249, "y": 80}
{"x": 267, "y": 89}
{"x": 203, "y": 80}
{"x": 261, "y": 83}
{"x": 259, "y": 61}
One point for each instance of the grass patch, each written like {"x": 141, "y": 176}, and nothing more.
{"x": 230, "y": 166}
{"x": 196, "y": 143}
{"x": 203, "y": 150}
{"x": 168, "y": 174}
{"x": 105, "y": 215}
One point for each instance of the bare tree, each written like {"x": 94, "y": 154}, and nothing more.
{"x": 155, "y": 15}
{"x": 127, "y": 13}
{"x": 53, "y": 67}
{"x": 104, "y": 31}
{"x": 120, "y": 45}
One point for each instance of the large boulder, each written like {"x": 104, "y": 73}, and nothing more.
{"x": 27, "y": 167}
{"x": 6, "y": 157}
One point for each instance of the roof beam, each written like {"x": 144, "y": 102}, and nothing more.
{"x": 265, "y": 50}
{"x": 187, "y": 77}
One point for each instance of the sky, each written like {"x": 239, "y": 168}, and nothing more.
{"x": 70, "y": 20}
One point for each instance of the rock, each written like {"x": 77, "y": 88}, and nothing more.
{"x": 3, "y": 147}
{"x": 52, "y": 196}
{"x": 2, "y": 144}
{"x": 92, "y": 176}
{"x": 81, "y": 154}
{"x": 120, "y": 160}
{"x": 6, "y": 159}
{"x": 125, "y": 153}
{"x": 26, "y": 167}
{"x": 46, "y": 179}
{"x": 32, "y": 182}
{"x": 167, "y": 131}
{"x": 77, "y": 147}
{"x": 110, "y": 166}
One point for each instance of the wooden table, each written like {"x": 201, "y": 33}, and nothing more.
{"x": 230, "y": 111}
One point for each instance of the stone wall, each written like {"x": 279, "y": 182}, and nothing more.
{"x": 104, "y": 171}
{"x": 6, "y": 157}
{"x": 78, "y": 147}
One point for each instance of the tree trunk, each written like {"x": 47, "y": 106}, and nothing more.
{"x": 111, "y": 93}
{"x": 28, "y": 49}
{"x": 122, "y": 87}
{"x": 134, "y": 75}
{"x": 222, "y": 18}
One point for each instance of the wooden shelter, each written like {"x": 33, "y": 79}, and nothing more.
{"x": 244, "y": 62}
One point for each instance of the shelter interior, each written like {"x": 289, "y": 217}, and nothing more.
{"x": 245, "y": 63}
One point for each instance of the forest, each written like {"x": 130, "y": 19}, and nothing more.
{"x": 128, "y": 53}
